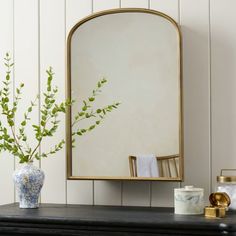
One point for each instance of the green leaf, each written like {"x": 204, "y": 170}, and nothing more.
{"x": 91, "y": 99}
{"x": 104, "y": 80}
{"x": 11, "y": 122}
{"x": 44, "y": 118}
{"x": 91, "y": 127}
{"x": 54, "y": 111}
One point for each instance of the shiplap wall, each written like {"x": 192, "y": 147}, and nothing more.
{"x": 35, "y": 31}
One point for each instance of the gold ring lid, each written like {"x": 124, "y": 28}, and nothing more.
{"x": 226, "y": 178}
{"x": 219, "y": 199}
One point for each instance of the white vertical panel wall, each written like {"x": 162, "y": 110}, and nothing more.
{"x": 107, "y": 192}
{"x": 6, "y": 45}
{"x": 223, "y": 86}
{"x": 26, "y": 57}
{"x": 35, "y": 31}
{"x": 52, "y": 53}
{"x": 81, "y": 192}
{"x": 138, "y": 193}
{"x": 196, "y": 74}
{"x": 162, "y": 193}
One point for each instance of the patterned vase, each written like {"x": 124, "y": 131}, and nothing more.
{"x": 28, "y": 181}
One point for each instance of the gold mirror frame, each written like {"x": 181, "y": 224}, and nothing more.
{"x": 68, "y": 95}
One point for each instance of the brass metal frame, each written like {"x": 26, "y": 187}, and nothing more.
{"x": 68, "y": 95}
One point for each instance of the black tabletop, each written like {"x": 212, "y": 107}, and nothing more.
{"x": 140, "y": 219}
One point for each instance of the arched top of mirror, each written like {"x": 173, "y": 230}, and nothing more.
{"x": 139, "y": 52}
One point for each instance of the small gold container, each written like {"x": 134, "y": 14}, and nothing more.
{"x": 215, "y": 212}
{"x": 220, "y": 202}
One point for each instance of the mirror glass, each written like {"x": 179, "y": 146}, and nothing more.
{"x": 138, "y": 52}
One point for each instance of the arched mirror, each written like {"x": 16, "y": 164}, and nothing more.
{"x": 138, "y": 51}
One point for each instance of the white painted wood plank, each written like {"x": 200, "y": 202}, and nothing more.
{"x": 162, "y": 192}
{"x": 223, "y": 74}
{"x": 6, "y": 45}
{"x": 100, "y": 5}
{"x": 107, "y": 192}
{"x": 76, "y": 10}
{"x": 169, "y": 7}
{"x": 136, "y": 193}
{"x": 26, "y": 62}
{"x": 196, "y": 88}
{"x": 134, "y": 3}
{"x": 52, "y": 53}
{"x": 78, "y": 191}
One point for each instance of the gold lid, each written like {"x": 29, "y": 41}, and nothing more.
{"x": 219, "y": 199}
{"x": 226, "y": 178}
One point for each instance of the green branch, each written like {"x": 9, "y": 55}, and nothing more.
{"x": 49, "y": 117}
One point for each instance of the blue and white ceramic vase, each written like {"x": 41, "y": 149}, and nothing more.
{"x": 28, "y": 181}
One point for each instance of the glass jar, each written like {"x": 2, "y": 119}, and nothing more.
{"x": 227, "y": 184}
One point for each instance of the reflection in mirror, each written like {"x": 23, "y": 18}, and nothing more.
{"x": 138, "y": 52}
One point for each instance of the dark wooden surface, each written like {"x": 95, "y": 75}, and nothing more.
{"x": 53, "y": 219}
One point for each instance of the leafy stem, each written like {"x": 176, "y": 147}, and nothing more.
{"x": 17, "y": 142}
